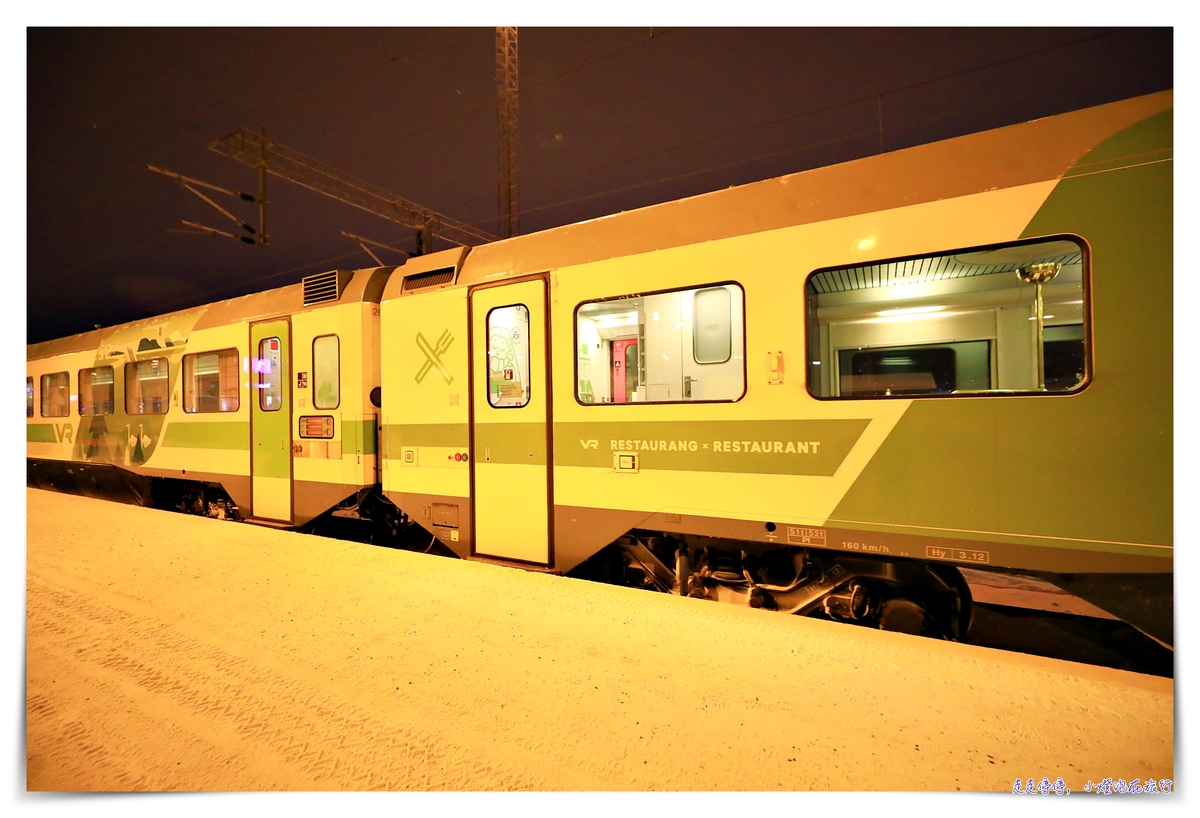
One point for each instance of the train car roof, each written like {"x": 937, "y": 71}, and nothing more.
{"x": 1029, "y": 152}
{"x": 357, "y": 285}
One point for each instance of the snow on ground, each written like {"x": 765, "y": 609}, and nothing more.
{"x": 167, "y": 652}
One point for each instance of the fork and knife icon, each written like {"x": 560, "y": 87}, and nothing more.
{"x": 433, "y": 356}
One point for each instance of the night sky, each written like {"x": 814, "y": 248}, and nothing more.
{"x": 610, "y": 119}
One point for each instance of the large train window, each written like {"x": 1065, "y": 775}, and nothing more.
{"x": 96, "y": 391}
{"x": 508, "y": 356}
{"x": 999, "y": 319}
{"x": 210, "y": 381}
{"x": 146, "y": 387}
{"x": 327, "y": 378}
{"x": 29, "y": 397}
{"x": 676, "y": 346}
{"x": 56, "y": 395}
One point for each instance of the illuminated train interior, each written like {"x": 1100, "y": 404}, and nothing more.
{"x": 958, "y": 324}
{"x": 682, "y": 345}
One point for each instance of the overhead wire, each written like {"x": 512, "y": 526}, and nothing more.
{"x": 492, "y": 101}
{"x": 771, "y": 123}
{"x": 424, "y": 44}
{"x": 690, "y": 144}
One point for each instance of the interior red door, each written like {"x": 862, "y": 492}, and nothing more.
{"x": 624, "y": 369}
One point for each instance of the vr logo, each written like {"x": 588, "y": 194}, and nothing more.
{"x": 589, "y": 444}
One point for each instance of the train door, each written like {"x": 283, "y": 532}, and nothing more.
{"x": 270, "y": 421}
{"x": 624, "y": 369}
{"x": 510, "y": 422}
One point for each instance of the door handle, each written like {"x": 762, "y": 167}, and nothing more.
{"x": 687, "y": 386}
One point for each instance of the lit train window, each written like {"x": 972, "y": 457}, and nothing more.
{"x": 210, "y": 381}
{"x": 677, "y": 346}
{"x": 56, "y": 395}
{"x": 269, "y": 366}
{"x": 147, "y": 387}
{"x": 29, "y": 397}
{"x": 327, "y": 375}
{"x": 96, "y": 391}
{"x": 993, "y": 320}
{"x": 508, "y": 356}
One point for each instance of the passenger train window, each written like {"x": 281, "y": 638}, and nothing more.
{"x": 999, "y": 319}
{"x": 269, "y": 366}
{"x": 665, "y": 347}
{"x": 508, "y": 356}
{"x": 210, "y": 381}
{"x": 96, "y": 391}
{"x": 56, "y": 395}
{"x": 146, "y": 387}
{"x": 29, "y": 397}
{"x": 712, "y": 337}
{"x": 326, "y": 372}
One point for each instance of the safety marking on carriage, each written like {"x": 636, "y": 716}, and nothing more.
{"x": 957, "y": 554}
{"x": 433, "y": 356}
{"x": 797, "y": 535}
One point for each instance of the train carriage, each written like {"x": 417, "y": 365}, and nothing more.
{"x": 822, "y": 393}
{"x": 256, "y": 407}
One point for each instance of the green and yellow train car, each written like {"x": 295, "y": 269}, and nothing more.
{"x": 822, "y": 393}
{"x": 257, "y": 407}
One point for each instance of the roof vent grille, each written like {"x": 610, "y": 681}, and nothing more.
{"x": 327, "y": 286}
{"x": 433, "y": 278}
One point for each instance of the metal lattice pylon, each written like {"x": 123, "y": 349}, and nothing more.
{"x": 506, "y": 93}
{"x": 279, "y": 160}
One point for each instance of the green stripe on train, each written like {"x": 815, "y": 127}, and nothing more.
{"x": 801, "y": 447}
{"x": 225, "y": 434}
{"x": 520, "y": 443}
{"x": 358, "y": 436}
{"x": 425, "y": 434}
{"x": 40, "y": 433}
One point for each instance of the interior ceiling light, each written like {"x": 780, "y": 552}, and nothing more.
{"x": 911, "y": 310}
{"x": 617, "y": 319}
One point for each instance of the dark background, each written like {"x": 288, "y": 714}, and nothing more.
{"x": 610, "y": 119}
